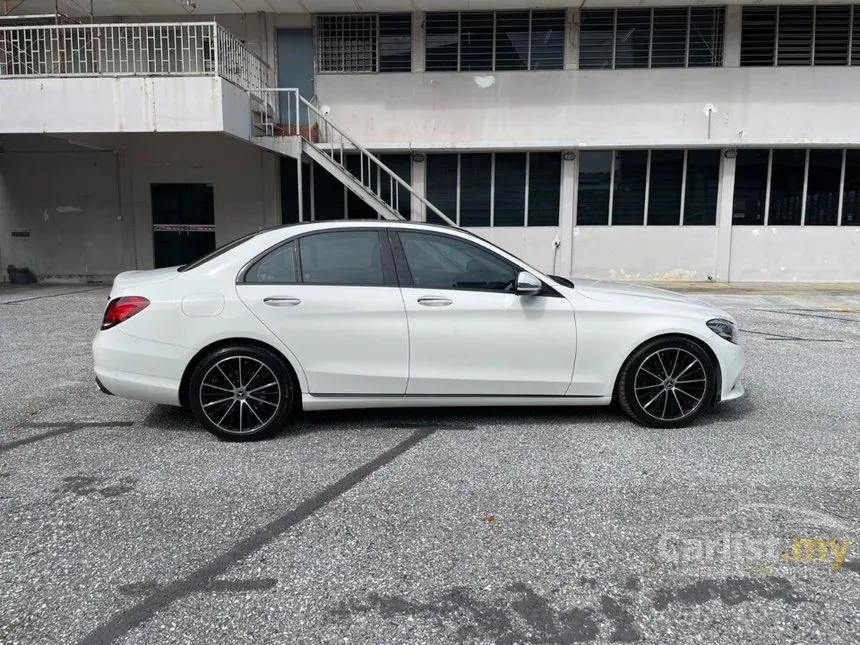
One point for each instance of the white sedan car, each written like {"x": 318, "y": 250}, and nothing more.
{"x": 349, "y": 314}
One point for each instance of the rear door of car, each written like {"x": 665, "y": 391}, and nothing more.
{"x": 332, "y": 297}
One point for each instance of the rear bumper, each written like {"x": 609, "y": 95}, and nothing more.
{"x": 132, "y": 368}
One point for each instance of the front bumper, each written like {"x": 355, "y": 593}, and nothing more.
{"x": 732, "y": 360}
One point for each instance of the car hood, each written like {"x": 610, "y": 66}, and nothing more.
{"x": 605, "y": 290}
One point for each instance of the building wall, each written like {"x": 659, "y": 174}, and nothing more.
{"x": 88, "y": 212}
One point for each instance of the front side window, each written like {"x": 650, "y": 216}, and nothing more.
{"x": 442, "y": 262}
{"x": 342, "y": 257}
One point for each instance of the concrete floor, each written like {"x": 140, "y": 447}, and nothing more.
{"x": 124, "y": 522}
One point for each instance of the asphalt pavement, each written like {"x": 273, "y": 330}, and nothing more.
{"x": 124, "y": 522}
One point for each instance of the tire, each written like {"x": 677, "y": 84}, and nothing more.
{"x": 666, "y": 383}
{"x": 246, "y": 406}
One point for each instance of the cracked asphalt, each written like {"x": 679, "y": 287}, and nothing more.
{"x": 123, "y": 522}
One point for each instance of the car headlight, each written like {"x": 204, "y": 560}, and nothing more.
{"x": 724, "y": 329}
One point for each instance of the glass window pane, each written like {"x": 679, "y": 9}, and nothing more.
{"x": 476, "y": 41}
{"x": 441, "y": 41}
{"x": 703, "y": 182}
{"x": 832, "y": 27}
{"x": 822, "y": 187}
{"x": 509, "y": 206}
{"x": 706, "y": 37}
{"x": 750, "y": 187}
{"x": 441, "y": 262}
{"x": 632, "y": 37}
{"x": 512, "y": 40}
{"x": 795, "y": 36}
{"x": 342, "y": 257}
{"x": 442, "y": 186}
{"x": 758, "y": 36}
{"x": 669, "y": 47}
{"x": 544, "y": 188}
{"x": 664, "y": 190}
{"x": 628, "y": 200}
{"x": 475, "y": 182}
{"x": 595, "y": 39}
{"x": 595, "y": 174}
{"x": 547, "y": 40}
{"x": 278, "y": 267}
{"x": 786, "y": 187}
{"x": 851, "y": 193}
{"x": 395, "y": 42}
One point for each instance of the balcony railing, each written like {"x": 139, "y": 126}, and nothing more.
{"x": 149, "y": 49}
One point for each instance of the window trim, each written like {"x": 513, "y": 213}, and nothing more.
{"x": 404, "y": 273}
{"x": 389, "y": 273}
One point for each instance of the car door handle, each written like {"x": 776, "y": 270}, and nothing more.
{"x": 435, "y": 301}
{"x": 281, "y": 301}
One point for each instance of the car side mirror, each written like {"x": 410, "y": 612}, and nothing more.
{"x": 527, "y": 284}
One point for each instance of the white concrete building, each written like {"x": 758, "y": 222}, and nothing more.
{"x": 678, "y": 140}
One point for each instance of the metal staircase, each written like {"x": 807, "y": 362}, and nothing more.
{"x": 287, "y": 123}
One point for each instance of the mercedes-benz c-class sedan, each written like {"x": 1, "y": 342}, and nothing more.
{"x": 349, "y": 314}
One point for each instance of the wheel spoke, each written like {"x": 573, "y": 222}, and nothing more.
{"x": 258, "y": 399}
{"x": 218, "y": 387}
{"x": 226, "y": 378}
{"x": 229, "y": 398}
{"x": 254, "y": 412}
{"x": 665, "y": 402}
{"x": 226, "y": 413}
{"x": 251, "y": 380}
{"x": 241, "y": 383}
{"x": 695, "y": 380}
{"x": 687, "y": 394}
{"x": 680, "y": 407}
{"x": 675, "y": 364}
{"x": 649, "y": 387}
{"x": 656, "y": 396}
{"x": 262, "y": 387}
{"x": 241, "y": 407}
{"x": 651, "y": 373}
{"x": 684, "y": 371}
{"x": 662, "y": 365}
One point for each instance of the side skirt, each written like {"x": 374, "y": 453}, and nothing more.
{"x": 339, "y": 402}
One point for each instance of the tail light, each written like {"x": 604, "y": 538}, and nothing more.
{"x": 121, "y": 309}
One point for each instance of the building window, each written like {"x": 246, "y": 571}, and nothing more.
{"x": 799, "y": 35}
{"x": 793, "y": 187}
{"x": 495, "y": 189}
{"x": 656, "y": 187}
{"x": 352, "y": 43}
{"x": 651, "y": 38}
{"x": 494, "y": 40}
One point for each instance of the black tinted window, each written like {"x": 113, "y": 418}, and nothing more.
{"x": 278, "y": 267}
{"x": 343, "y": 257}
{"x": 442, "y": 262}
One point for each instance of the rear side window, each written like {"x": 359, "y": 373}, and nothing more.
{"x": 278, "y": 267}
{"x": 342, "y": 257}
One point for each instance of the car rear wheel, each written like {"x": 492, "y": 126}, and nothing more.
{"x": 666, "y": 383}
{"x": 241, "y": 393}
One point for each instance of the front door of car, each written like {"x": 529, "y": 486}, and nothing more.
{"x": 332, "y": 298}
{"x": 470, "y": 333}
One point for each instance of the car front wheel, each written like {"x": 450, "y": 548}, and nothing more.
{"x": 240, "y": 393}
{"x": 666, "y": 383}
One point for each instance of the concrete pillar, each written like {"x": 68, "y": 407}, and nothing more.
{"x": 725, "y": 203}
{"x": 732, "y": 41}
{"x": 571, "y": 39}
{"x": 568, "y": 210}
{"x": 271, "y": 183}
{"x": 419, "y": 185}
{"x": 418, "y": 41}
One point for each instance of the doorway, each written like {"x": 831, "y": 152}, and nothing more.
{"x": 183, "y": 223}
{"x": 296, "y": 67}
